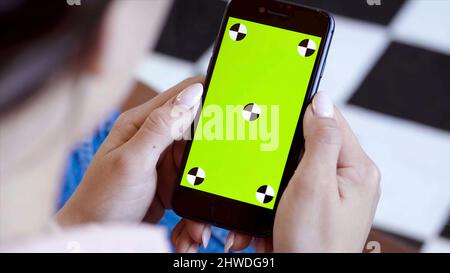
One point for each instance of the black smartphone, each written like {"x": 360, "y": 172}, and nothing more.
{"x": 266, "y": 66}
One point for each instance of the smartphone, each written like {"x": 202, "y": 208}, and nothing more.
{"x": 247, "y": 138}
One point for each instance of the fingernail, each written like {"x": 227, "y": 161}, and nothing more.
{"x": 323, "y": 106}
{"x": 206, "y": 235}
{"x": 192, "y": 248}
{"x": 190, "y": 96}
{"x": 229, "y": 243}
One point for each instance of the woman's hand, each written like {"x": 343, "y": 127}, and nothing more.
{"x": 330, "y": 201}
{"x": 121, "y": 182}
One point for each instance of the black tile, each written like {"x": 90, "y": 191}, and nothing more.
{"x": 409, "y": 83}
{"x": 191, "y": 28}
{"x": 359, "y": 9}
{"x": 412, "y": 242}
{"x": 446, "y": 230}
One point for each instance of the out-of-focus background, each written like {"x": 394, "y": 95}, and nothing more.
{"x": 388, "y": 71}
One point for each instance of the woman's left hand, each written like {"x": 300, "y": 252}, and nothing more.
{"x": 121, "y": 182}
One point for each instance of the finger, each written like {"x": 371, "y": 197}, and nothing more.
{"x": 141, "y": 112}
{"x": 129, "y": 122}
{"x": 177, "y": 152}
{"x": 168, "y": 170}
{"x": 185, "y": 244}
{"x": 168, "y": 175}
{"x": 323, "y": 139}
{"x": 263, "y": 245}
{"x": 259, "y": 245}
{"x": 199, "y": 232}
{"x": 351, "y": 153}
{"x": 155, "y": 211}
{"x": 237, "y": 241}
{"x": 163, "y": 126}
{"x": 174, "y": 155}
{"x": 241, "y": 242}
{"x": 269, "y": 245}
{"x": 177, "y": 231}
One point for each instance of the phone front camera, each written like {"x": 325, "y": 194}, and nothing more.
{"x": 262, "y": 9}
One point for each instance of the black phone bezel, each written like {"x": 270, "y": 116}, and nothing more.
{"x": 215, "y": 209}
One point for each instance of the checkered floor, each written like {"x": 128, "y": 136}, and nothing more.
{"x": 388, "y": 70}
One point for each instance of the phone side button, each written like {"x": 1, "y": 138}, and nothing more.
{"x": 323, "y": 69}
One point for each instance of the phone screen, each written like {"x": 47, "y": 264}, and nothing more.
{"x": 250, "y": 112}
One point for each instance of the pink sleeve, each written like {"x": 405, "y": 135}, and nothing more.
{"x": 95, "y": 238}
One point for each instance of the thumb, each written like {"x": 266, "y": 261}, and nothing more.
{"x": 323, "y": 138}
{"x": 165, "y": 124}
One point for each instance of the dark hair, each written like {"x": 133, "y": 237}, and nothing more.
{"x": 39, "y": 38}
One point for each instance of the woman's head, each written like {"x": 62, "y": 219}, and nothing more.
{"x": 39, "y": 40}
{"x": 62, "y": 69}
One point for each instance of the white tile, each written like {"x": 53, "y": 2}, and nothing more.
{"x": 438, "y": 245}
{"x": 355, "y": 48}
{"x": 162, "y": 72}
{"x": 415, "y": 164}
{"x": 424, "y": 23}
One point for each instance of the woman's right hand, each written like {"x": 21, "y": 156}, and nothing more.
{"x": 330, "y": 202}
{"x": 331, "y": 199}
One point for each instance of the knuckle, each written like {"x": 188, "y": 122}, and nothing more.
{"x": 122, "y": 164}
{"x": 373, "y": 174}
{"x": 124, "y": 118}
{"x": 159, "y": 121}
{"x": 379, "y": 191}
{"x": 125, "y": 126}
{"x": 328, "y": 134}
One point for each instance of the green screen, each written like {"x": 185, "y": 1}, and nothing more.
{"x": 250, "y": 112}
